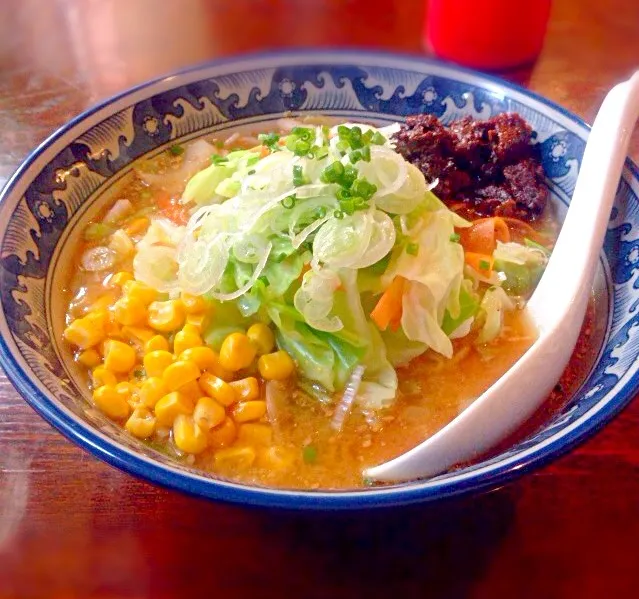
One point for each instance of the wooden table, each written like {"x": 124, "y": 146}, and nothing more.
{"x": 73, "y": 527}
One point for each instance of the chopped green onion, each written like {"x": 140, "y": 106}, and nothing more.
{"x": 251, "y": 172}
{"x": 321, "y": 212}
{"x": 355, "y": 138}
{"x": 355, "y": 155}
{"x": 309, "y": 454}
{"x": 348, "y": 207}
{"x": 270, "y": 140}
{"x": 338, "y": 214}
{"x": 176, "y": 150}
{"x": 343, "y": 132}
{"x": 332, "y": 173}
{"x": 363, "y": 188}
{"x": 412, "y": 249}
{"x": 298, "y": 175}
{"x": 361, "y": 154}
{"x": 360, "y": 203}
{"x": 97, "y": 231}
{"x": 217, "y": 159}
{"x": 349, "y": 177}
{"x": 291, "y": 142}
{"x": 343, "y": 194}
{"x": 484, "y": 265}
{"x": 303, "y": 133}
{"x": 378, "y": 139}
{"x": 301, "y": 148}
{"x": 455, "y": 237}
{"x": 289, "y": 202}
{"x": 342, "y": 146}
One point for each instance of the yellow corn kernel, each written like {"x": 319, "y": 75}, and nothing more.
{"x": 203, "y": 356}
{"x": 246, "y": 389}
{"x": 157, "y": 342}
{"x": 137, "y": 226}
{"x": 118, "y": 356}
{"x": 276, "y": 366}
{"x": 166, "y": 316}
{"x": 208, "y": 413}
{"x": 262, "y": 337}
{"x": 103, "y": 303}
{"x": 172, "y": 405}
{"x": 152, "y": 390}
{"x": 112, "y": 328}
{"x": 126, "y": 389}
{"x": 139, "y": 334}
{"x": 156, "y": 362}
{"x": 87, "y": 331}
{"x": 193, "y": 304}
{"x": 275, "y": 458}
{"x": 237, "y": 352}
{"x": 223, "y": 434}
{"x": 185, "y": 339}
{"x": 191, "y": 390}
{"x": 246, "y": 411}
{"x": 188, "y": 436}
{"x": 89, "y": 358}
{"x": 101, "y": 376}
{"x": 141, "y": 423}
{"x": 222, "y": 373}
{"x": 107, "y": 399}
{"x": 180, "y": 373}
{"x": 218, "y": 389}
{"x": 120, "y": 278}
{"x": 197, "y": 320}
{"x": 140, "y": 291}
{"x": 191, "y": 329}
{"x": 130, "y": 393}
{"x": 235, "y": 457}
{"x": 129, "y": 311}
{"x": 254, "y": 434}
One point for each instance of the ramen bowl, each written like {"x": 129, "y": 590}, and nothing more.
{"x": 65, "y": 181}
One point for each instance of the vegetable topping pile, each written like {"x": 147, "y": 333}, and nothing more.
{"x": 336, "y": 241}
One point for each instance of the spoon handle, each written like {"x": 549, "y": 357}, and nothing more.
{"x": 576, "y": 252}
{"x": 557, "y": 307}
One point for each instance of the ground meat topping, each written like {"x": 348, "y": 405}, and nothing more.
{"x": 491, "y": 166}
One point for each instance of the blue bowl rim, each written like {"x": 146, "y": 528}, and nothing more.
{"x": 410, "y": 493}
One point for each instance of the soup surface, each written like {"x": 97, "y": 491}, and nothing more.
{"x": 238, "y": 401}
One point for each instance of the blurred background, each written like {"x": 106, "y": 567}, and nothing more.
{"x": 59, "y": 56}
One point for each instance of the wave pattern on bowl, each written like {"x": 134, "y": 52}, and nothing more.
{"x": 85, "y": 157}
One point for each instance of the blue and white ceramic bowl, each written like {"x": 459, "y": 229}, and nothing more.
{"x": 61, "y": 185}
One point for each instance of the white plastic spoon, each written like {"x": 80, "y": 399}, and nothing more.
{"x": 556, "y": 308}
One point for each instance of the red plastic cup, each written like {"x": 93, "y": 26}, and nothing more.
{"x": 490, "y": 35}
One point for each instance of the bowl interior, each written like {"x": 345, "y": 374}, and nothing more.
{"x": 72, "y": 175}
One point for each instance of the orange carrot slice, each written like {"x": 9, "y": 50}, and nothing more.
{"x": 388, "y": 310}
{"x": 482, "y": 263}
{"x": 482, "y": 236}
